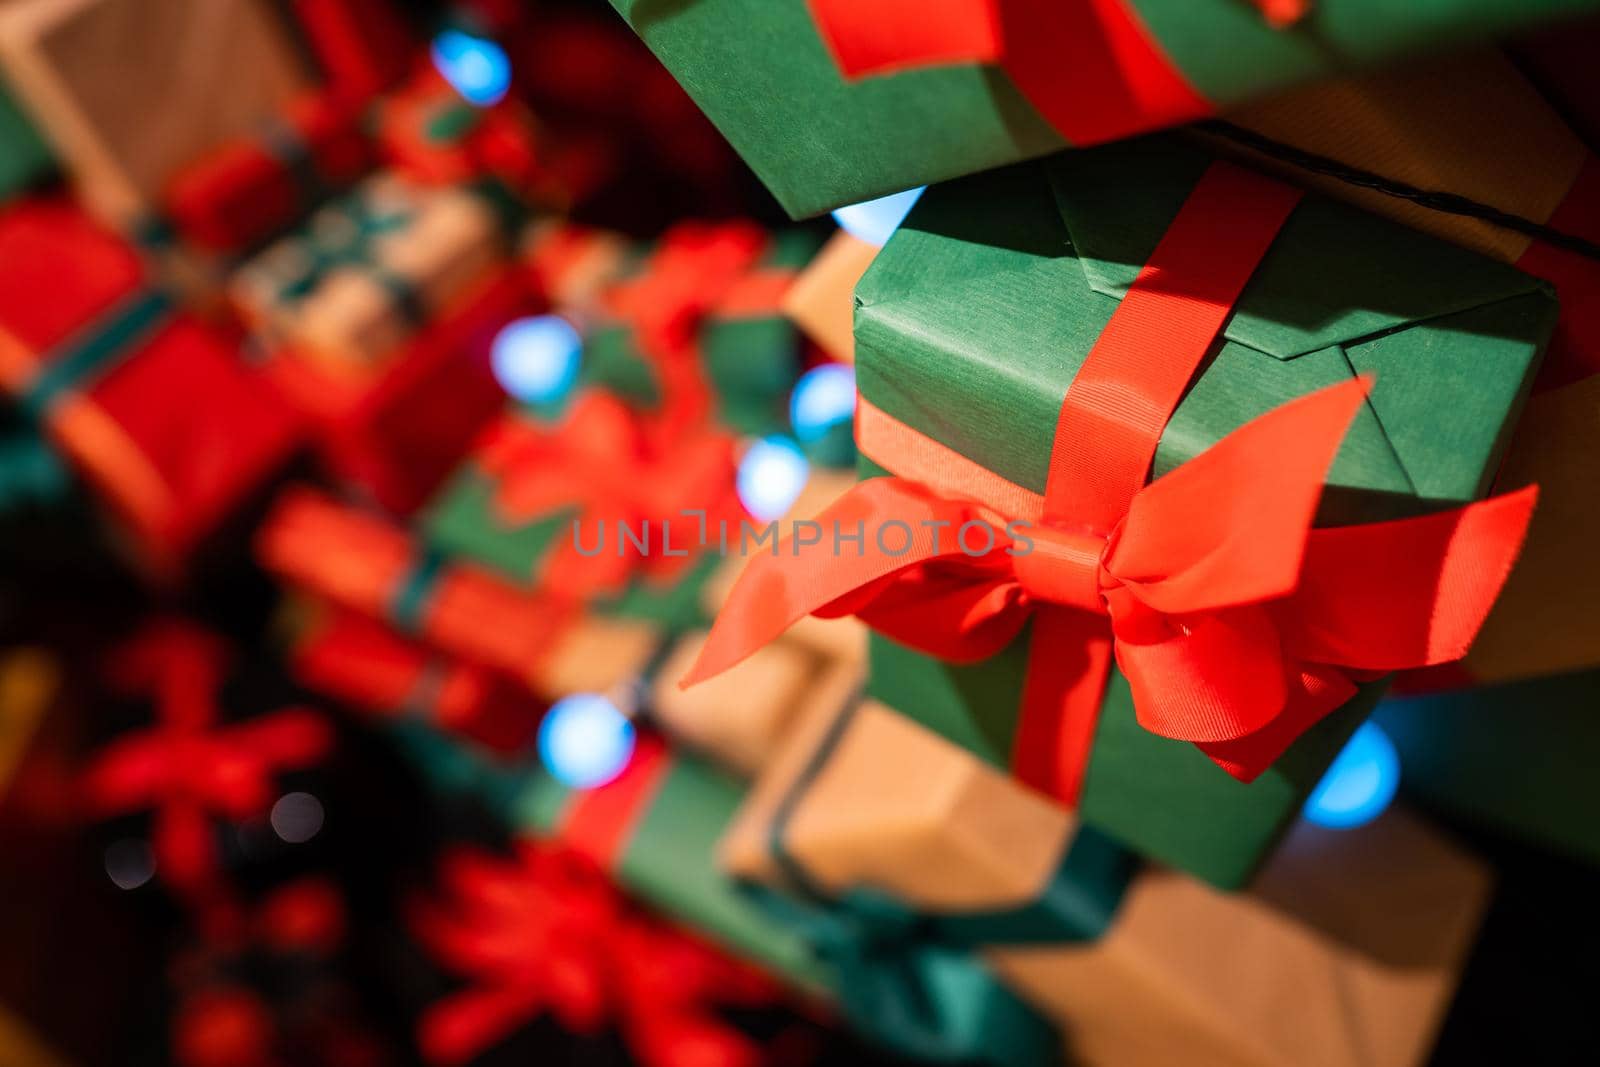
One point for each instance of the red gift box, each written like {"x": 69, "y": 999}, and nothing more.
{"x": 251, "y": 188}
{"x": 153, "y": 407}
{"x": 390, "y": 434}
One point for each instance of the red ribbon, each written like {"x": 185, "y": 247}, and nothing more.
{"x": 693, "y": 267}
{"x": 1237, "y": 625}
{"x": 187, "y": 768}
{"x": 545, "y": 931}
{"x": 617, "y": 468}
{"x": 1092, "y": 68}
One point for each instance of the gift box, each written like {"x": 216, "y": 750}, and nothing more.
{"x": 367, "y": 272}
{"x": 654, "y": 829}
{"x": 1454, "y": 748}
{"x": 385, "y": 433}
{"x": 252, "y": 188}
{"x": 822, "y": 299}
{"x": 833, "y": 102}
{"x": 155, "y": 409}
{"x": 742, "y": 718}
{"x": 593, "y": 507}
{"x": 1463, "y": 131}
{"x": 1004, "y": 293}
{"x": 365, "y": 563}
{"x": 429, "y": 133}
{"x": 24, "y": 157}
{"x": 111, "y": 121}
{"x": 696, "y": 326}
{"x": 1345, "y": 950}
{"x": 381, "y": 673}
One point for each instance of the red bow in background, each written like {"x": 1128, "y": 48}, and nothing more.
{"x": 1237, "y": 624}
{"x": 544, "y": 931}
{"x": 1090, "y": 67}
{"x": 695, "y": 267}
{"x": 616, "y": 468}
{"x": 187, "y": 767}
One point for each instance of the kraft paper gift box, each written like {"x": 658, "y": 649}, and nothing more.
{"x": 155, "y": 409}
{"x": 822, "y": 300}
{"x": 833, "y": 102}
{"x": 364, "y": 562}
{"x": 130, "y": 91}
{"x": 251, "y": 188}
{"x": 369, "y": 270}
{"x": 695, "y": 325}
{"x": 1474, "y": 127}
{"x": 973, "y": 322}
{"x": 742, "y": 718}
{"x": 1455, "y": 748}
{"x": 543, "y": 503}
{"x": 1346, "y": 949}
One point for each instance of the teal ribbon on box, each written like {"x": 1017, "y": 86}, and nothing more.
{"x": 94, "y": 349}
{"x": 410, "y": 603}
{"x": 913, "y": 981}
{"x": 343, "y": 236}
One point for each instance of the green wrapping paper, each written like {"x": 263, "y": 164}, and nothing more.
{"x": 1518, "y": 758}
{"x": 977, "y": 315}
{"x": 464, "y": 521}
{"x": 750, "y": 356}
{"x": 761, "y": 71}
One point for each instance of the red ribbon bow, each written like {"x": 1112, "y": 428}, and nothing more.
{"x": 619, "y": 469}
{"x": 1092, "y": 68}
{"x": 187, "y": 768}
{"x": 544, "y": 931}
{"x": 1237, "y": 624}
{"x": 694, "y": 268}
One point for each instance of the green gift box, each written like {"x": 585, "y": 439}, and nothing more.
{"x": 464, "y": 521}
{"x": 749, "y": 351}
{"x": 981, "y": 309}
{"x": 1517, "y": 758}
{"x": 763, "y": 71}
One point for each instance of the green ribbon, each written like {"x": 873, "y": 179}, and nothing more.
{"x": 344, "y": 239}
{"x": 410, "y": 603}
{"x": 913, "y": 981}
{"x": 31, "y": 475}
{"x": 94, "y": 349}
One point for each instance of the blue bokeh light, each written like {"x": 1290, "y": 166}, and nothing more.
{"x": 771, "y": 475}
{"x": 536, "y": 359}
{"x": 1360, "y": 784}
{"x": 876, "y": 220}
{"x": 824, "y": 397}
{"x": 476, "y": 68}
{"x": 585, "y": 741}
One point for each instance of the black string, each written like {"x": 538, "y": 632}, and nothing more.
{"x": 1448, "y": 203}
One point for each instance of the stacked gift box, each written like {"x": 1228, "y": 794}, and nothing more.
{"x": 511, "y": 604}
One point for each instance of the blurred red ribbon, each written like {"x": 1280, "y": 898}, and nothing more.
{"x": 1092, "y": 68}
{"x": 187, "y": 767}
{"x": 616, "y": 468}
{"x": 544, "y": 931}
{"x": 1237, "y": 625}
{"x": 693, "y": 268}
